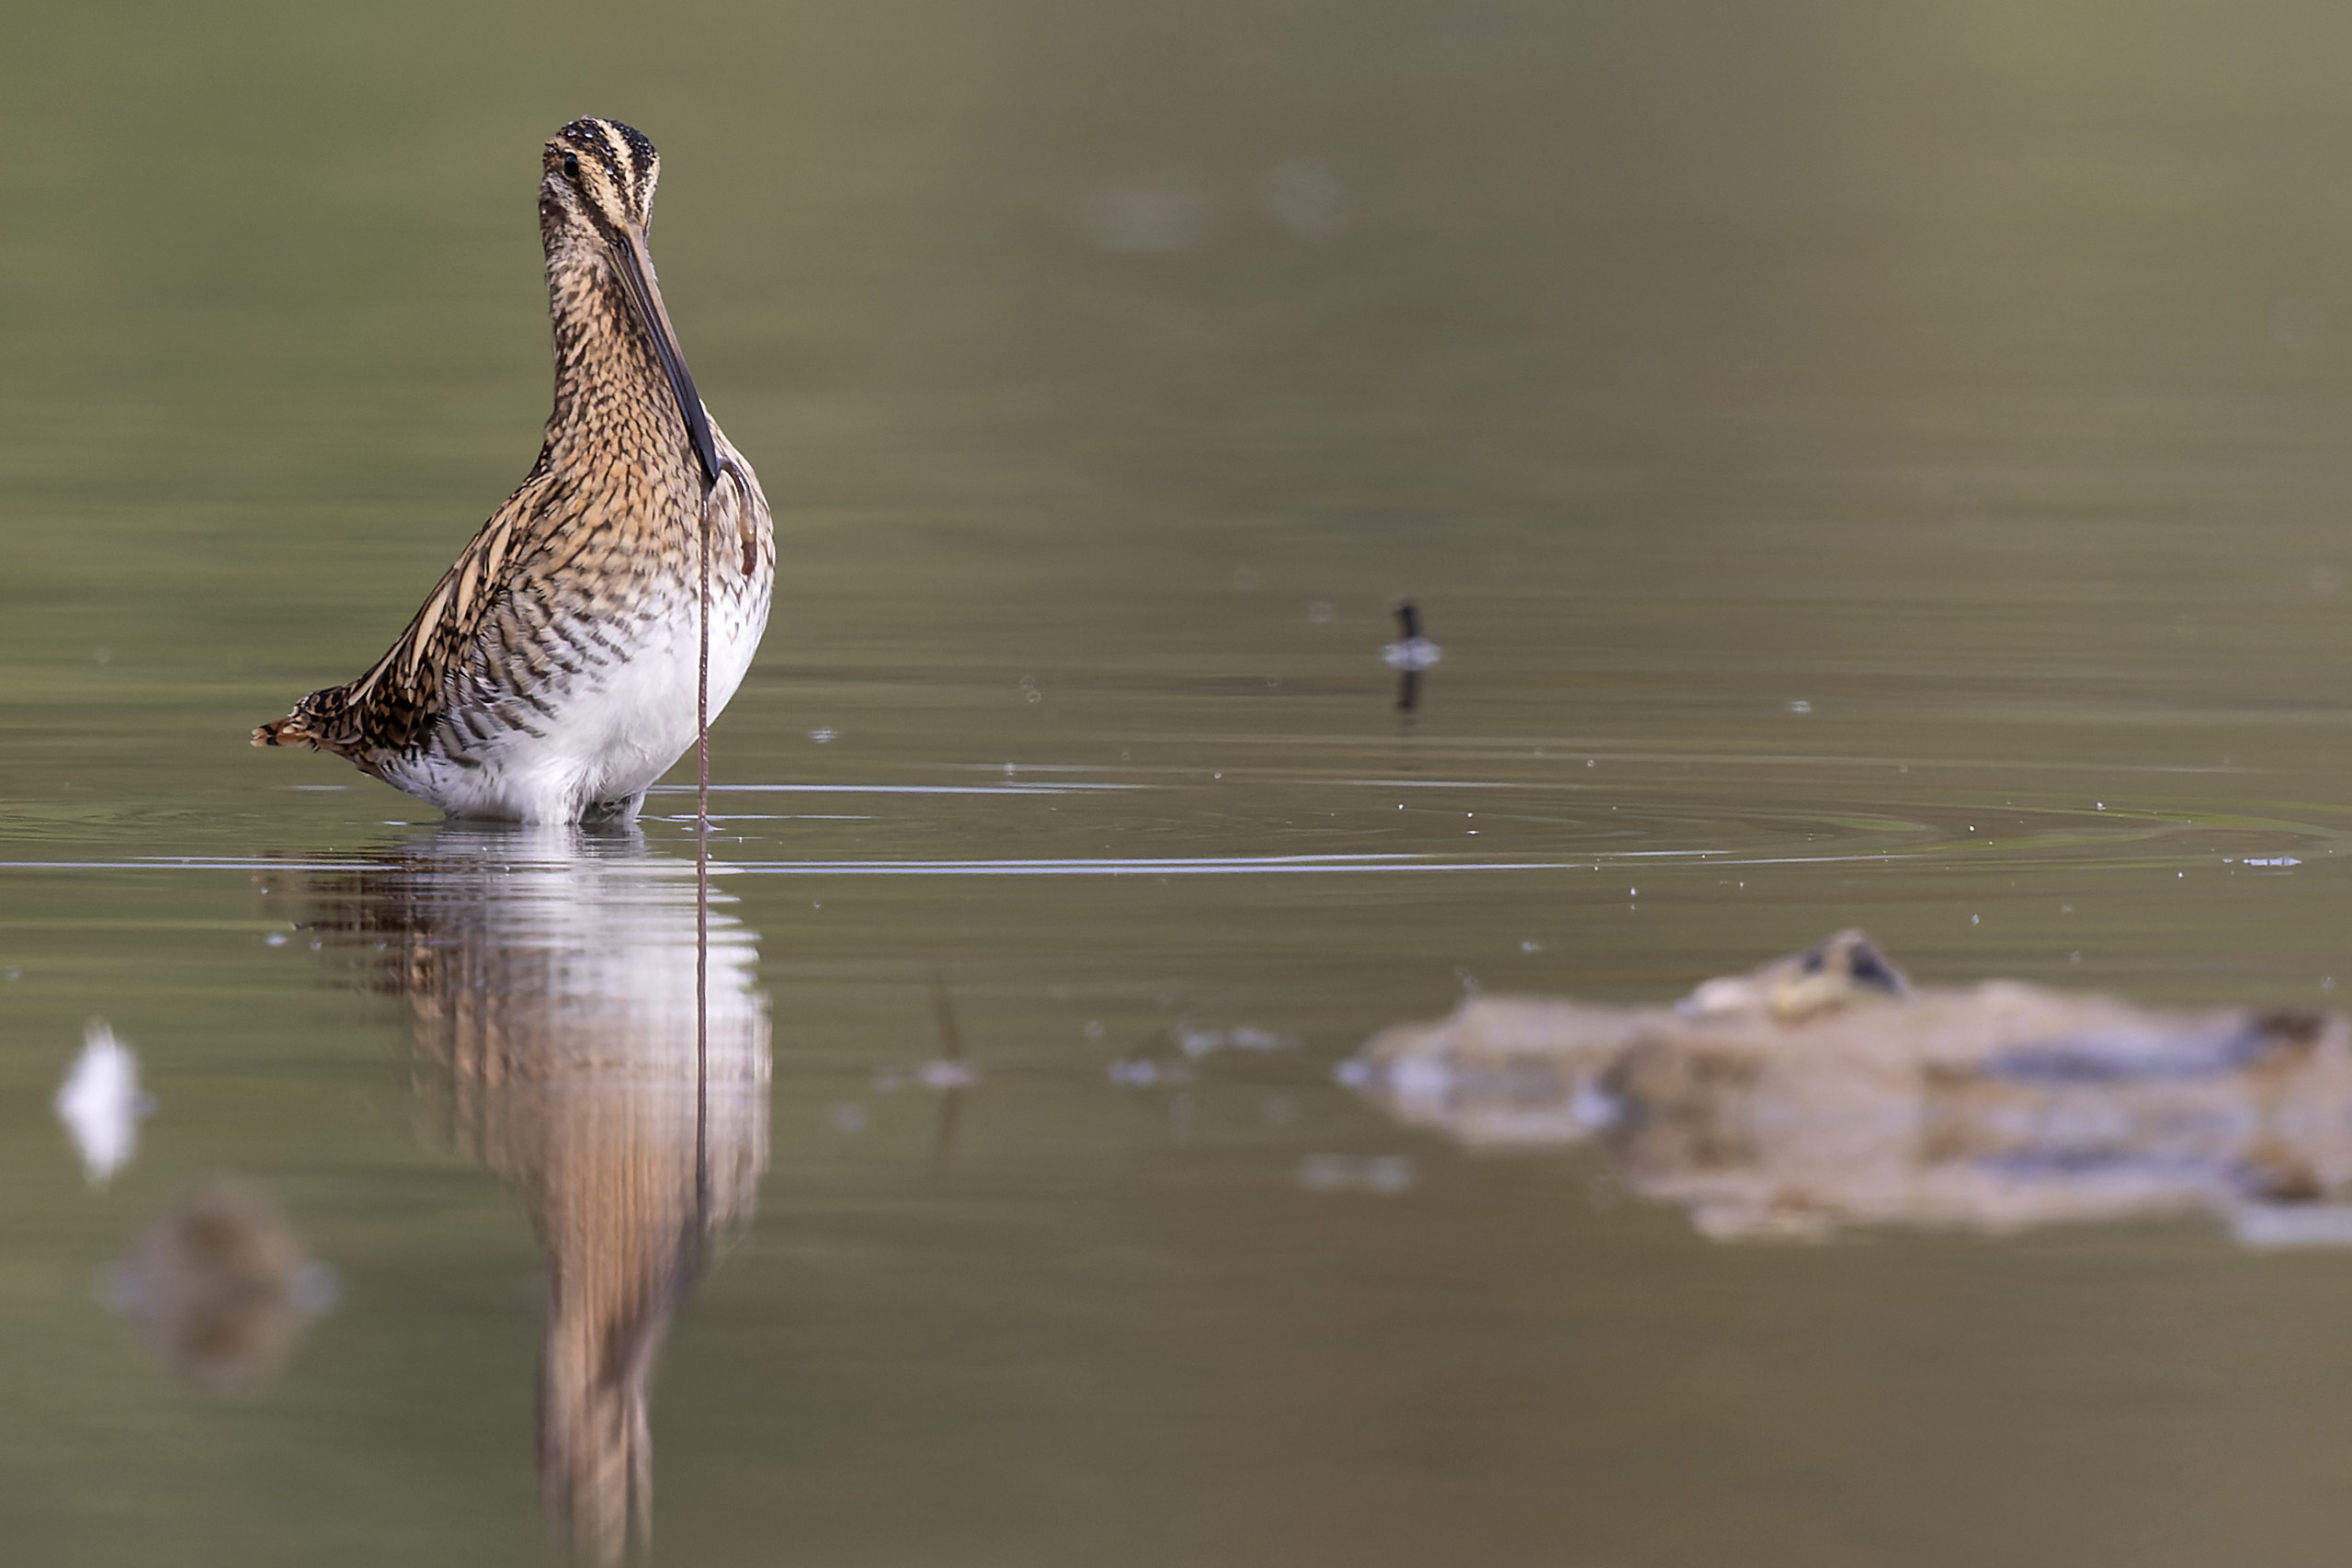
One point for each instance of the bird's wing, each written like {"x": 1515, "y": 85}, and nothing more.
{"x": 408, "y": 677}
{"x": 392, "y": 706}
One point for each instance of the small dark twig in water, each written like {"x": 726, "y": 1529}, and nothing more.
{"x": 1410, "y": 654}
{"x": 944, "y": 1011}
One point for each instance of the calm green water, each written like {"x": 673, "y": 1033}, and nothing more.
{"x": 1866, "y": 466}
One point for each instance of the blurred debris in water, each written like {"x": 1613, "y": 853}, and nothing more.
{"x": 1144, "y": 222}
{"x": 100, "y": 1103}
{"x": 221, "y": 1287}
{"x": 1823, "y": 1090}
{"x": 1197, "y": 1043}
{"x": 1142, "y": 1073}
{"x": 1305, "y": 198}
{"x": 1192, "y": 1045}
{"x": 1384, "y": 1176}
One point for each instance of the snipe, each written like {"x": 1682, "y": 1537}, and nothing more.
{"x": 551, "y": 674}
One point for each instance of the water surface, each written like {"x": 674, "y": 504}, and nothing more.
{"x": 1864, "y": 468}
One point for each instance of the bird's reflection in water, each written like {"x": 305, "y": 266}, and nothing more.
{"x": 550, "y": 977}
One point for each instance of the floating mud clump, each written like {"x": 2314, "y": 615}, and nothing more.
{"x": 221, "y": 1287}
{"x": 1825, "y": 1090}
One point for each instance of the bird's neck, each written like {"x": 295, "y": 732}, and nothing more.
{"x": 610, "y": 392}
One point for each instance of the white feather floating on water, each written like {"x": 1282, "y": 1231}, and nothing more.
{"x": 100, "y": 1103}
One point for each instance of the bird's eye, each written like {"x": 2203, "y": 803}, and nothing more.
{"x": 572, "y": 164}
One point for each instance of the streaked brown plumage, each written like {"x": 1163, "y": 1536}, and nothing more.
{"x": 551, "y": 675}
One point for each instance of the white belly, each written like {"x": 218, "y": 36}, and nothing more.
{"x": 610, "y": 738}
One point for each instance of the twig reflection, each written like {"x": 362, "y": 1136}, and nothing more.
{"x": 957, "y": 1079}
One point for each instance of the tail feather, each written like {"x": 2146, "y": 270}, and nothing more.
{"x": 290, "y": 730}
{"x": 316, "y": 722}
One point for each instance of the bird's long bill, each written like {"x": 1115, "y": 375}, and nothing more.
{"x": 636, "y": 269}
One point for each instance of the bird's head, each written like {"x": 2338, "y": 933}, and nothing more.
{"x": 596, "y": 195}
{"x": 599, "y": 179}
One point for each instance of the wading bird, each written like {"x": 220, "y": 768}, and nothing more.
{"x": 553, "y": 674}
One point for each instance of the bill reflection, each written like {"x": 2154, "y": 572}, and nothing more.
{"x": 551, "y": 980}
